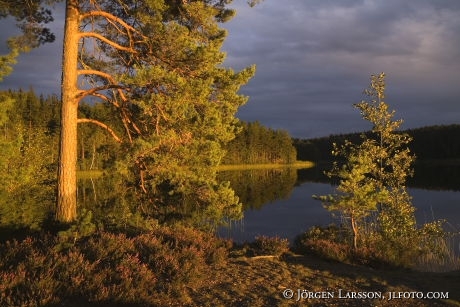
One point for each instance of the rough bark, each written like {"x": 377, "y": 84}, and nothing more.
{"x": 355, "y": 232}
{"x": 66, "y": 208}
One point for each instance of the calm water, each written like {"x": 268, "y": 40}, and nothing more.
{"x": 295, "y": 211}
{"x": 279, "y": 202}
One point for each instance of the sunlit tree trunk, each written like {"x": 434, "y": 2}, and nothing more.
{"x": 66, "y": 210}
{"x": 354, "y": 226}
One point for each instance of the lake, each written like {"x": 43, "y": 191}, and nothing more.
{"x": 278, "y": 202}
{"x": 288, "y": 208}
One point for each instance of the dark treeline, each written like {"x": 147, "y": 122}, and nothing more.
{"x": 32, "y": 111}
{"x": 38, "y": 118}
{"x": 437, "y": 151}
{"x": 29, "y": 131}
{"x": 258, "y": 144}
{"x": 97, "y": 150}
{"x": 429, "y": 143}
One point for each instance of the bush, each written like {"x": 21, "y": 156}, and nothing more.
{"x": 335, "y": 243}
{"x": 274, "y": 246}
{"x": 420, "y": 247}
{"x": 305, "y": 243}
{"x": 107, "y": 268}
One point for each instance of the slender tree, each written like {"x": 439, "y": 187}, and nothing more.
{"x": 374, "y": 174}
{"x": 392, "y": 162}
{"x": 357, "y": 196}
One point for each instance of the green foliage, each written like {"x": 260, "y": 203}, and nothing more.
{"x": 256, "y": 144}
{"x": 374, "y": 173}
{"x": 184, "y": 110}
{"x": 26, "y": 160}
{"x": 391, "y": 163}
{"x": 6, "y": 63}
{"x": 372, "y": 192}
{"x": 82, "y": 227}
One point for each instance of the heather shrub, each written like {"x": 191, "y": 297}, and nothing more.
{"x": 317, "y": 238}
{"x": 180, "y": 256}
{"x": 26, "y": 273}
{"x": 333, "y": 243}
{"x": 324, "y": 248}
{"x": 107, "y": 248}
{"x": 147, "y": 269}
{"x": 275, "y": 246}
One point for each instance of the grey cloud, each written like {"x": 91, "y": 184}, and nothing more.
{"x": 314, "y": 58}
{"x": 323, "y": 52}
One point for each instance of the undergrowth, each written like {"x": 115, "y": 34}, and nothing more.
{"x": 145, "y": 269}
{"x": 427, "y": 249}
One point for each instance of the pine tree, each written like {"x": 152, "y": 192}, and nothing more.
{"x": 157, "y": 63}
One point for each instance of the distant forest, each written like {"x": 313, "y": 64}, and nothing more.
{"x": 258, "y": 144}
{"x": 97, "y": 150}
{"x": 429, "y": 143}
{"x": 253, "y": 144}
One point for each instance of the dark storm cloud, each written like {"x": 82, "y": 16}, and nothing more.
{"x": 315, "y": 57}
{"x": 40, "y": 68}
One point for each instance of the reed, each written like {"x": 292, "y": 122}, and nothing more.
{"x": 444, "y": 257}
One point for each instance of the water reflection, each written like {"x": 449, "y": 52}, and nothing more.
{"x": 436, "y": 176}
{"x": 256, "y": 188}
{"x": 278, "y": 202}
{"x": 288, "y": 209}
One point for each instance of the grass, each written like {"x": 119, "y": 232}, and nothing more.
{"x": 89, "y": 174}
{"x": 94, "y": 174}
{"x": 242, "y": 167}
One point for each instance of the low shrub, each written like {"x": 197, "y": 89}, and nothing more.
{"x": 108, "y": 268}
{"x": 422, "y": 246}
{"x": 274, "y": 246}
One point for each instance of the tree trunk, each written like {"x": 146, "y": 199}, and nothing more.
{"x": 66, "y": 209}
{"x": 355, "y": 232}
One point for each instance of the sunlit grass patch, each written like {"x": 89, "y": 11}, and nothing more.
{"x": 89, "y": 174}
{"x": 240, "y": 167}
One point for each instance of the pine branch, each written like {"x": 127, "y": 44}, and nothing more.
{"x": 103, "y": 75}
{"x": 107, "y": 41}
{"x": 111, "y": 17}
{"x": 84, "y": 93}
{"x": 100, "y": 124}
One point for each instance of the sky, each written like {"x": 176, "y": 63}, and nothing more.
{"x": 314, "y": 58}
